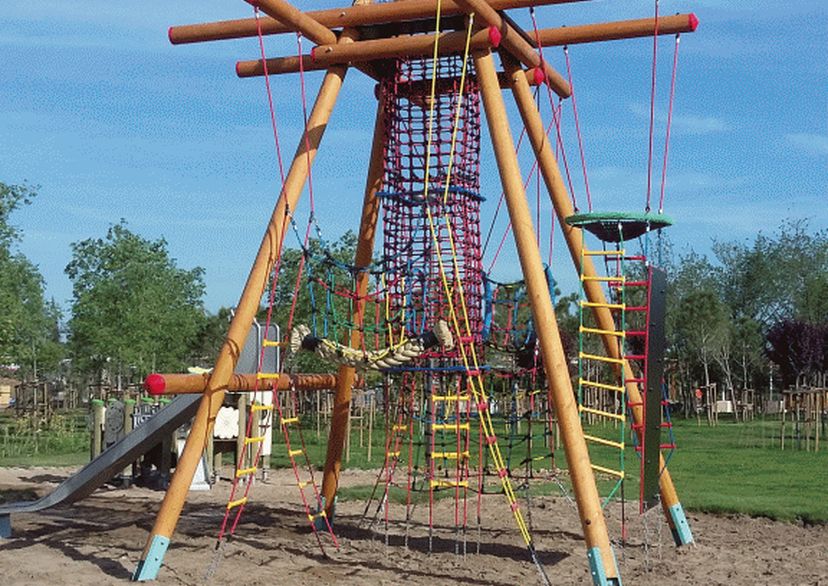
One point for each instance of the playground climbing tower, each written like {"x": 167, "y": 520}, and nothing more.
{"x": 436, "y": 73}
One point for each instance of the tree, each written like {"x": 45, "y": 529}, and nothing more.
{"x": 29, "y": 336}
{"x": 133, "y": 309}
{"x": 798, "y": 349}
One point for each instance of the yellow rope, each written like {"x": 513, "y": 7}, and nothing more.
{"x": 476, "y": 382}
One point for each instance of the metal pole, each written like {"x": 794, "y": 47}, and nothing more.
{"x": 599, "y": 551}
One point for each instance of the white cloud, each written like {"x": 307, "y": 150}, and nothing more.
{"x": 683, "y": 123}
{"x": 813, "y": 144}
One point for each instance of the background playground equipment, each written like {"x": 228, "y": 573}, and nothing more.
{"x": 424, "y": 175}
{"x": 807, "y": 409}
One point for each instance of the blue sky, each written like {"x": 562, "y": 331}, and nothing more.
{"x": 111, "y": 121}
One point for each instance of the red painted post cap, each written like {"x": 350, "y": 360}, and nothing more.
{"x": 155, "y": 384}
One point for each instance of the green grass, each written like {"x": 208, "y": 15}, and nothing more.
{"x": 730, "y": 468}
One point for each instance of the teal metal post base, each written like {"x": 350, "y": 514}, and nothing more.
{"x": 680, "y": 527}
{"x": 149, "y": 566}
{"x": 5, "y": 526}
{"x": 596, "y": 568}
{"x": 319, "y": 522}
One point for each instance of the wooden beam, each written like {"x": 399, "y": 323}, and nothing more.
{"x": 350, "y": 16}
{"x": 505, "y": 35}
{"x": 593, "y": 522}
{"x": 551, "y": 173}
{"x": 451, "y": 42}
{"x": 296, "y": 20}
{"x": 188, "y": 384}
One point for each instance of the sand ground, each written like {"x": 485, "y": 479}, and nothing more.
{"x": 99, "y": 540}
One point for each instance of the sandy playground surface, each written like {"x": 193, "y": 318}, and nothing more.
{"x": 99, "y": 540}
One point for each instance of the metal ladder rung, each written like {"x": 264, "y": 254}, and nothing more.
{"x": 450, "y": 426}
{"x": 313, "y": 517}
{"x": 245, "y": 471}
{"x": 394, "y": 454}
{"x": 272, "y": 343}
{"x": 289, "y": 420}
{"x": 293, "y": 453}
{"x": 400, "y": 427}
{"x": 621, "y": 306}
{"x": 253, "y": 440}
{"x": 617, "y": 416}
{"x": 602, "y": 332}
{"x": 237, "y": 503}
{"x": 450, "y": 397}
{"x": 596, "y": 384}
{"x": 618, "y": 473}
{"x": 603, "y": 252}
{"x": 257, "y": 407}
{"x": 609, "y": 359}
{"x": 449, "y": 484}
{"x": 604, "y": 442}
{"x": 618, "y": 279}
{"x": 449, "y": 455}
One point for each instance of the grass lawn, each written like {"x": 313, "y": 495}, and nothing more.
{"x": 730, "y": 468}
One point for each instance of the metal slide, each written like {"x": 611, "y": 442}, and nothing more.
{"x": 111, "y": 461}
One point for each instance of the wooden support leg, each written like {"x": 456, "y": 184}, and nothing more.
{"x": 346, "y": 374}
{"x": 601, "y": 557}
{"x": 246, "y": 309}
{"x": 574, "y": 240}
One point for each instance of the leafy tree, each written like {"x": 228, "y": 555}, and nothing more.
{"x": 798, "y": 349}
{"x": 210, "y": 337}
{"x": 133, "y": 309}
{"x": 28, "y": 323}
{"x": 702, "y": 329}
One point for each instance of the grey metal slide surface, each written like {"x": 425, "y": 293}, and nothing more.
{"x": 112, "y": 460}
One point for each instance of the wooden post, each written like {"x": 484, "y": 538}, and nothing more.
{"x": 269, "y": 250}
{"x": 98, "y": 411}
{"x": 583, "y": 480}
{"x": 340, "y": 416}
{"x": 574, "y": 240}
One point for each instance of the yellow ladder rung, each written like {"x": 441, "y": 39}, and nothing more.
{"x": 449, "y": 484}
{"x": 618, "y": 416}
{"x": 394, "y": 454}
{"x": 618, "y": 473}
{"x": 600, "y": 358}
{"x": 245, "y": 471}
{"x": 303, "y": 483}
{"x": 618, "y": 279}
{"x": 257, "y": 407}
{"x": 271, "y": 343}
{"x": 253, "y": 440}
{"x": 268, "y": 375}
{"x": 289, "y": 420}
{"x": 449, "y": 455}
{"x": 602, "y": 332}
{"x": 400, "y": 427}
{"x": 603, "y": 252}
{"x": 293, "y": 453}
{"x": 238, "y": 503}
{"x": 318, "y": 515}
{"x": 607, "y": 305}
{"x": 605, "y": 442}
{"x": 596, "y": 384}
{"x": 450, "y": 426}
{"x": 450, "y": 397}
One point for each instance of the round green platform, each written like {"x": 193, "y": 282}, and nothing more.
{"x": 619, "y": 226}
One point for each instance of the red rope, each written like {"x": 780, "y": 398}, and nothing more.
{"x": 269, "y": 95}
{"x": 578, "y": 128}
{"x": 669, "y": 126}
{"x": 652, "y": 109}
{"x": 555, "y": 114}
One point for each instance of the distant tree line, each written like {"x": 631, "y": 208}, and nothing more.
{"x": 755, "y": 306}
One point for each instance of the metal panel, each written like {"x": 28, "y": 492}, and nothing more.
{"x": 656, "y": 341}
